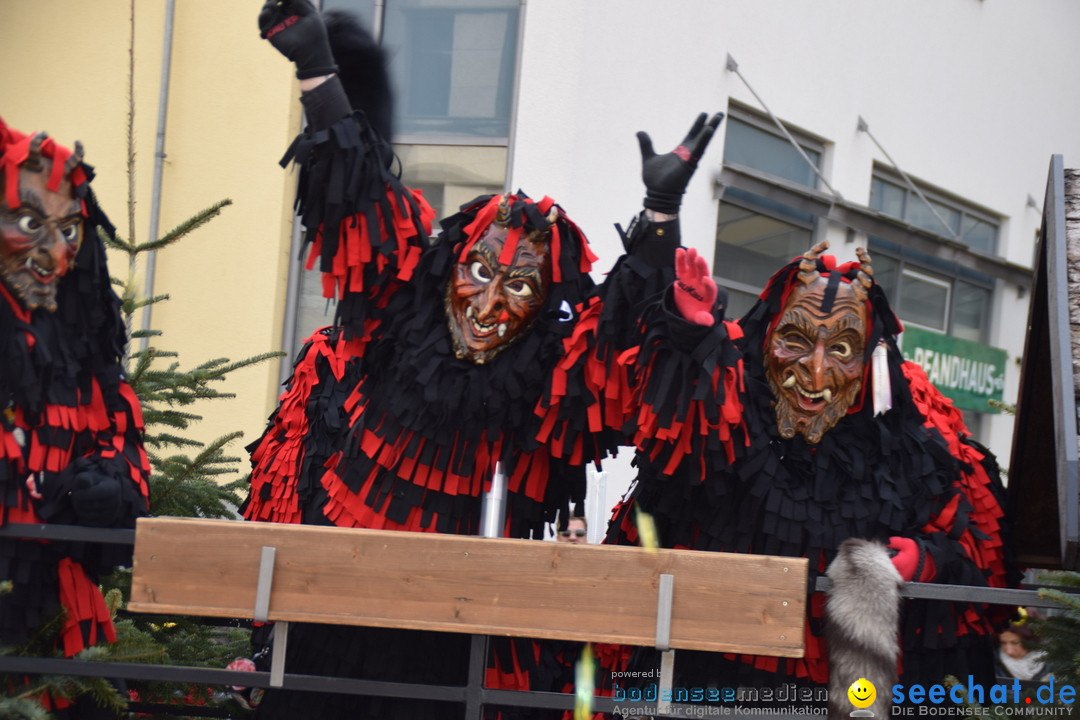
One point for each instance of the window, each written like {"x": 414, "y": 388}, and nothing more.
{"x": 756, "y": 235}
{"x": 453, "y": 65}
{"x": 748, "y": 142}
{"x": 453, "y": 69}
{"x": 927, "y": 293}
{"x": 946, "y": 216}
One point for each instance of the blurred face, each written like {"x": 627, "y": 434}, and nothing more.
{"x": 38, "y": 239}
{"x": 815, "y": 362}
{"x": 488, "y": 304}
{"x": 1012, "y": 646}
{"x": 575, "y": 532}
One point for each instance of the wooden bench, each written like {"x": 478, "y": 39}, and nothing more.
{"x": 493, "y": 586}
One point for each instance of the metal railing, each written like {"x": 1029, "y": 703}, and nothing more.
{"x": 473, "y": 695}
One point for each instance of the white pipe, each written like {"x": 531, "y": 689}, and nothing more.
{"x": 159, "y": 163}
{"x": 512, "y": 130}
{"x": 493, "y": 506}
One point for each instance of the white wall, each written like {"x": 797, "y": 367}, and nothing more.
{"x": 973, "y": 96}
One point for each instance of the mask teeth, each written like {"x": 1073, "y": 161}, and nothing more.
{"x": 790, "y": 382}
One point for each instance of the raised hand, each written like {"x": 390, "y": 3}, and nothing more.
{"x": 296, "y": 29}
{"x": 695, "y": 289}
{"x": 666, "y": 176}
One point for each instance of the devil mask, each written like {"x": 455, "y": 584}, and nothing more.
{"x": 491, "y": 298}
{"x": 41, "y": 228}
{"x": 816, "y": 351}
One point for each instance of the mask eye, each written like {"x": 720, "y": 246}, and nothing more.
{"x": 795, "y": 342}
{"x": 519, "y": 288}
{"x": 480, "y": 272}
{"x": 841, "y": 350}
{"x": 28, "y": 224}
{"x": 71, "y": 232}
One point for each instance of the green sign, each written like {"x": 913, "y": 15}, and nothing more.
{"x": 966, "y": 372}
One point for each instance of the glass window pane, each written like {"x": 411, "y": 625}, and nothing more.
{"x": 452, "y": 175}
{"x": 739, "y": 303}
{"x": 313, "y": 311}
{"x": 974, "y": 422}
{"x": 452, "y": 65}
{"x": 971, "y": 312}
{"x": 750, "y": 246}
{"x": 747, "y": 145}
{"x": 924, "y": 300}
{"x": 919, "y": 215}
{"x": 980, "y": 235}
{"x": 887, "y": 197}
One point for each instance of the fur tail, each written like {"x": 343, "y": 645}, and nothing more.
{"x": 862, "y": 625}
{"x": 362, "y": 68}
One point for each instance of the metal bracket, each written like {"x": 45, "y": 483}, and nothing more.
{"x": 277, "y": 657}
{"x": 663, "y": 611}
{"x": 262, "y": 589}
{"x": 667, "y": 679}
{"x": 262, "y": 614}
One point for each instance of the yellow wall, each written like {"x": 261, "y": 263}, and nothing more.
{"x": 232, "y": 111}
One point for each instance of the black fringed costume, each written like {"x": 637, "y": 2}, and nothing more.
{"x": 65, "y": 410}
{"x": 383, "y": 426}
{"x": 715, "y": 474}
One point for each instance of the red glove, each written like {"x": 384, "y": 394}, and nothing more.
{"x": 695, "y": 290}
{"x": 910, "y": 559}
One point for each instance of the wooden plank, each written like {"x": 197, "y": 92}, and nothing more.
{"x": 494, "y": 586}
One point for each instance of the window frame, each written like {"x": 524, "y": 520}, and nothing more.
{"x": 808, "y": 141}
{"x": 743, "y": 199}
{"x": 928, "y": 269}
{"x": 965, "y": 208}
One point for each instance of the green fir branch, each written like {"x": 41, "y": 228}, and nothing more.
{"x": 187, "y": 226}
{"x": 140, "y": 303}
{"x": 114, "y": 242}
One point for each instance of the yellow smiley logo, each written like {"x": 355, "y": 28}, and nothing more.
{"x": 862, "y": 693}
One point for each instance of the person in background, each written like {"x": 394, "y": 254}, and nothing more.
{"x": 577, "y": 531}
{"x": 1017, "y": 655}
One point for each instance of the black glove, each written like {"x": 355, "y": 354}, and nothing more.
{"x": 666, "y": 176}
{"x": 96, "y": 499}
{"x": 296, "y": 29}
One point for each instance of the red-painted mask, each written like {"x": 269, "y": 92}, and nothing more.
{"x": 488, "y": 304}
{"x": 40, "y": 237}
{"x": 816, "y": 354}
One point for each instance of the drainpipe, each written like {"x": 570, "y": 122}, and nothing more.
{"x": 159, "y": 163}
{"x": 512, "y": 135}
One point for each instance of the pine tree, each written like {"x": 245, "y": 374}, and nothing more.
{"x": 186, "y": 474}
